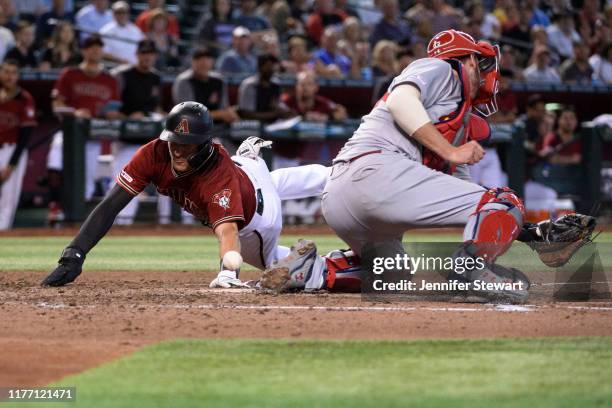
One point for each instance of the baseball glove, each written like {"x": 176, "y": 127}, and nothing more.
{"x": 557, "y": 241}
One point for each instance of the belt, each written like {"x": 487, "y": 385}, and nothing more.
{"x": 359, "y": 156}
{"x": 259, "y": 208}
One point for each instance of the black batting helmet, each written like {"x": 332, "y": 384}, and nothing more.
{"x": 188, "y": 123}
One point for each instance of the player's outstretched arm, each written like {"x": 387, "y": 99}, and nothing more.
{"x": 93, "y": 229}
{"x": 229, "y": 250}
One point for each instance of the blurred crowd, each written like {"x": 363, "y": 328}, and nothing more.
{"x": 542, "y": 40}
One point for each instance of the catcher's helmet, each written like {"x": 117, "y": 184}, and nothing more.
{"x": 188, "y": 123}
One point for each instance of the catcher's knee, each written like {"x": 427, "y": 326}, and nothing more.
{"x": 496, "y": 222}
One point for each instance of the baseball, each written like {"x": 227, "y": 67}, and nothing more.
{"x": 232, "y": 260}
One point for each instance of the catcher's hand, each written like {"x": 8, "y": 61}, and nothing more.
{"x": 557, "y": 241}
{"x": 227, "y": 279}
{"x": 69, "y": 267}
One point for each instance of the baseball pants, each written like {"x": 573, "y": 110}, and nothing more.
{"x": 10, "y": 190}
{"x": 259, "y": 239}
{"x": 377, "y": 197}
{"x": 55, "y": 160}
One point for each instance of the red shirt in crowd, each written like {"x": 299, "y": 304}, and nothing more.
{"x": 552, "y": 140}
{"x": 83, "y": 91}
{"x": 16, "y": 113}
{"x": 321, "y": 105}
{"x": 223, "y": 193}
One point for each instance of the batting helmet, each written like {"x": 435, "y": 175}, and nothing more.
{"x": 188, "y": 123}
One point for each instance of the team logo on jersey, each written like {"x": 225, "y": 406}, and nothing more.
{"x": 182, "y": 127}
{"x": 223, "y": 198}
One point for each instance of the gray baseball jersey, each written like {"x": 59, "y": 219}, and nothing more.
{"x": 379, "y": 196}
{"x": 440, "y": 94}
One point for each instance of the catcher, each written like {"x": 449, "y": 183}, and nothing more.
{"x": 406, "y": 167}
{"x": 238, "y": 197}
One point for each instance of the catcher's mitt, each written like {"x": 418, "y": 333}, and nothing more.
{"x": 557, "y": 241}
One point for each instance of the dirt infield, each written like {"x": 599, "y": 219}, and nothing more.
{"x": 46, "y": 334}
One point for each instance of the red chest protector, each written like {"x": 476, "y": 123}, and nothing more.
{"x": 453, "y": 127}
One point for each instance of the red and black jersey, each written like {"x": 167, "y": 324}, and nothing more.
{"x": 220, "y": 194}
{"x": 16, "y": 113}
{"x": 84, "y": 91}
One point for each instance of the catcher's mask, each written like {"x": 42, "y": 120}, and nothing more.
{"x": 190, "y": 123}
{"x": 451, "y": 44}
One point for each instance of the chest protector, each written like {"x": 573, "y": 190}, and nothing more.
{"x": 453, "y": 127}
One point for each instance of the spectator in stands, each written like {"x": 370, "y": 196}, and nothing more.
{"x": 535, "y": 111}
{"x": 328, "y": 62}
{"x": 352, "y": 32}
{"x": 601, "y": 63}
{"x": 298, "y": 56}
{"x": 538, "y": 16}
{"x": 306, "y": 102}
{"x": 488, "y": 23}
{"x": 540, "y": 71}
{"x": 384, "y": 61}
{"x": 508, "y": 61}
{"x": 23, "y": 52}
{"x": 143, "y": 21}
{"x": 91, "y": 18}
{"x": 444, "y": 16}
{"x": 269, "y": 44}
{"x": 577, "y": 69}
{"x": 506, "y": 100}
{"x": 517, "y": 25}
{"x": 47, "y": 21}
{"x": 166, "y": 44}
{"x": 202, "y": 85}
{"x": 140, "y": 89}
{"x": 85, "y": 91}
{"x": 259, "y": 95}
{"x": 62, "y": 50}
{"x": 247, "y": 17}
{"x": 563, "y": 146}
{"x": 216, "y": 29}
{"x": 325, "y": 14}
{"x": 239, "y": 59}
{"x": 562, "y": 35}
{"x": 18, "y": 118}
{"x": 7, "y": 39}
{"x": 29, "y": 10}
{"x": 121, "y": 51}
{"x": 588, "y": 19}
{"x": 68, "y": 5}
{"x": 391, "y": 26}
{"x": 538, "y": 36}
{"x": 277, "y": 13}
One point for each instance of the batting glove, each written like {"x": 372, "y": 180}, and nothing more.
{"x": 69, "y": 267}
{"x": 251, "y": 146}
{"x": 227, "y": 279}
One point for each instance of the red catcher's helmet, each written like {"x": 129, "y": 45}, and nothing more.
{"x": 451, "y": 44}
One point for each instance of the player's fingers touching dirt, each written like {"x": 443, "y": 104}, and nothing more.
{"x": 70, "y": 266}
{"x": 468, "y": 153}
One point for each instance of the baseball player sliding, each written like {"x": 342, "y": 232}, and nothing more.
{"x": 238, "y": 197}
{"x": 406, "y": 167}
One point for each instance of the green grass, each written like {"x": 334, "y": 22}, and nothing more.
{"x": 187, "y": 253}
{"x": 552, "y": 372}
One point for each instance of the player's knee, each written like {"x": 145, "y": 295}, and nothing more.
{"x": 502, "y": 199}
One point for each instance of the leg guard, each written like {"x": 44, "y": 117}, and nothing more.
{"x": 496, "y": 222}
{"x": 343, "y": 271}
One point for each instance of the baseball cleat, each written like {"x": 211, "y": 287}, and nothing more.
{"x": 512, "y": 285}
{"x": 293, "y": 271}
{"x": 251, "y": 146}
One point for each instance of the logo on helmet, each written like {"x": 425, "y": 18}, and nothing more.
{"x": 182, "y": 127}
{"x": 223, "y": 198}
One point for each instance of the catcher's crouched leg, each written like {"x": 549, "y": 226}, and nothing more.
{"x": 489, "y": 233}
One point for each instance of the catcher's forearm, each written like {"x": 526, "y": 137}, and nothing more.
{"x": 101, "y": 219}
